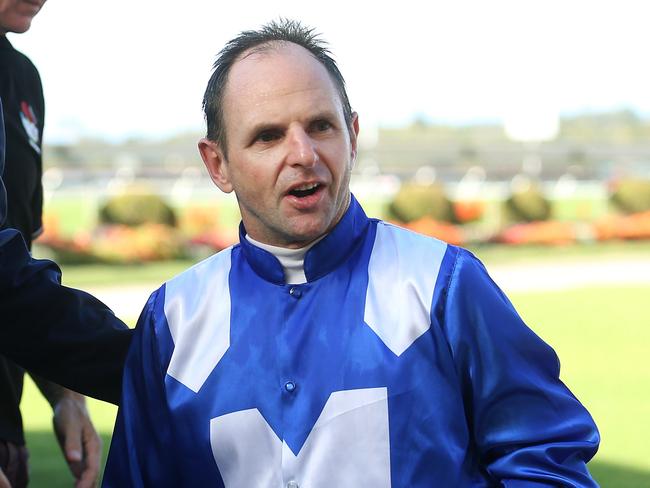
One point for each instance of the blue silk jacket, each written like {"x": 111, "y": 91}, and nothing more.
{"x": 398, "y": 364}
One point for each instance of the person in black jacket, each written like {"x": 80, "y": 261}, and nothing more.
{"x": 59, "y": 333}
{"x": 23, "y": 110}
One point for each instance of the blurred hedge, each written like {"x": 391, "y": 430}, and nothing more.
{"x": 136, "y": 208}
{"x": 414, "y": 201}
{"x": 528, "y": 205}
{"x": 631, "y": 196}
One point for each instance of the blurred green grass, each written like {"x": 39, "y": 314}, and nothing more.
{"x": 47, "y": 466}
{"x": 601, "y": 334}
{"x": 602, "y": 337}
{"x": 497, "y": 254}
{"x": 154, "y": 273}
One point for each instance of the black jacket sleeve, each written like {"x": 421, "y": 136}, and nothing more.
{"x": 3, "y": 192}
{"x": 62, "y": 334}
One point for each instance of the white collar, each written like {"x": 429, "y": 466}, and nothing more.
{"x": 291, "y": 260}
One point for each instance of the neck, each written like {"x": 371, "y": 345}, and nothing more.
{"x": 291, "y": 260}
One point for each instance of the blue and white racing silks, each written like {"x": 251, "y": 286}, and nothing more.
{"x": 399, "y": 363}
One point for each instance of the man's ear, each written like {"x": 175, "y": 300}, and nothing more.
{"x": 354, "y": 135}
{"x": 216, "y": 163}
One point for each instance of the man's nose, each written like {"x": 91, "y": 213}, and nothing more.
{"x": 302, "y": 149}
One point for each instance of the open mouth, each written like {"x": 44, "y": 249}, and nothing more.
{"x": 305, "y": 190}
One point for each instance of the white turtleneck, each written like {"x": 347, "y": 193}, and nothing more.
{"x": 292, "y": 260}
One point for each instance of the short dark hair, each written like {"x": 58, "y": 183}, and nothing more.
{"x": 280, "y": 31}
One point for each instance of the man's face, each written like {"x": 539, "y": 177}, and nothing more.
{"x": 16, "y": 15}
{"x": 289, "y": 151}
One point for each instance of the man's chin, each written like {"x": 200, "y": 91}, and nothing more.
{"x": 305, "y": 239}
{"x": 306, "y": 233}
{"x": 306, "y": 227}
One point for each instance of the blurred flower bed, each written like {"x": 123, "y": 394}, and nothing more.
{"x": 526, "y": 216}
{"x": 139, "y": 226}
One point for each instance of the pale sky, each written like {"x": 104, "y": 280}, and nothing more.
{"x": 122, "y": 68}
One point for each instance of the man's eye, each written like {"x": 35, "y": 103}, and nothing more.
{"x": 322, "y": 125}
{"x": 267, "y": 136}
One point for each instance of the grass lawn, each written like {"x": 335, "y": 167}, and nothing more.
{"x": 107, "y": 275}
{"x": 602, "y": 337}
{"x": 601, "y": 334}
{"x": 495, "y": 254}
{"x": 48, "y": 468}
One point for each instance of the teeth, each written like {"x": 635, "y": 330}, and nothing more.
{"x": 306, "y": 187}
